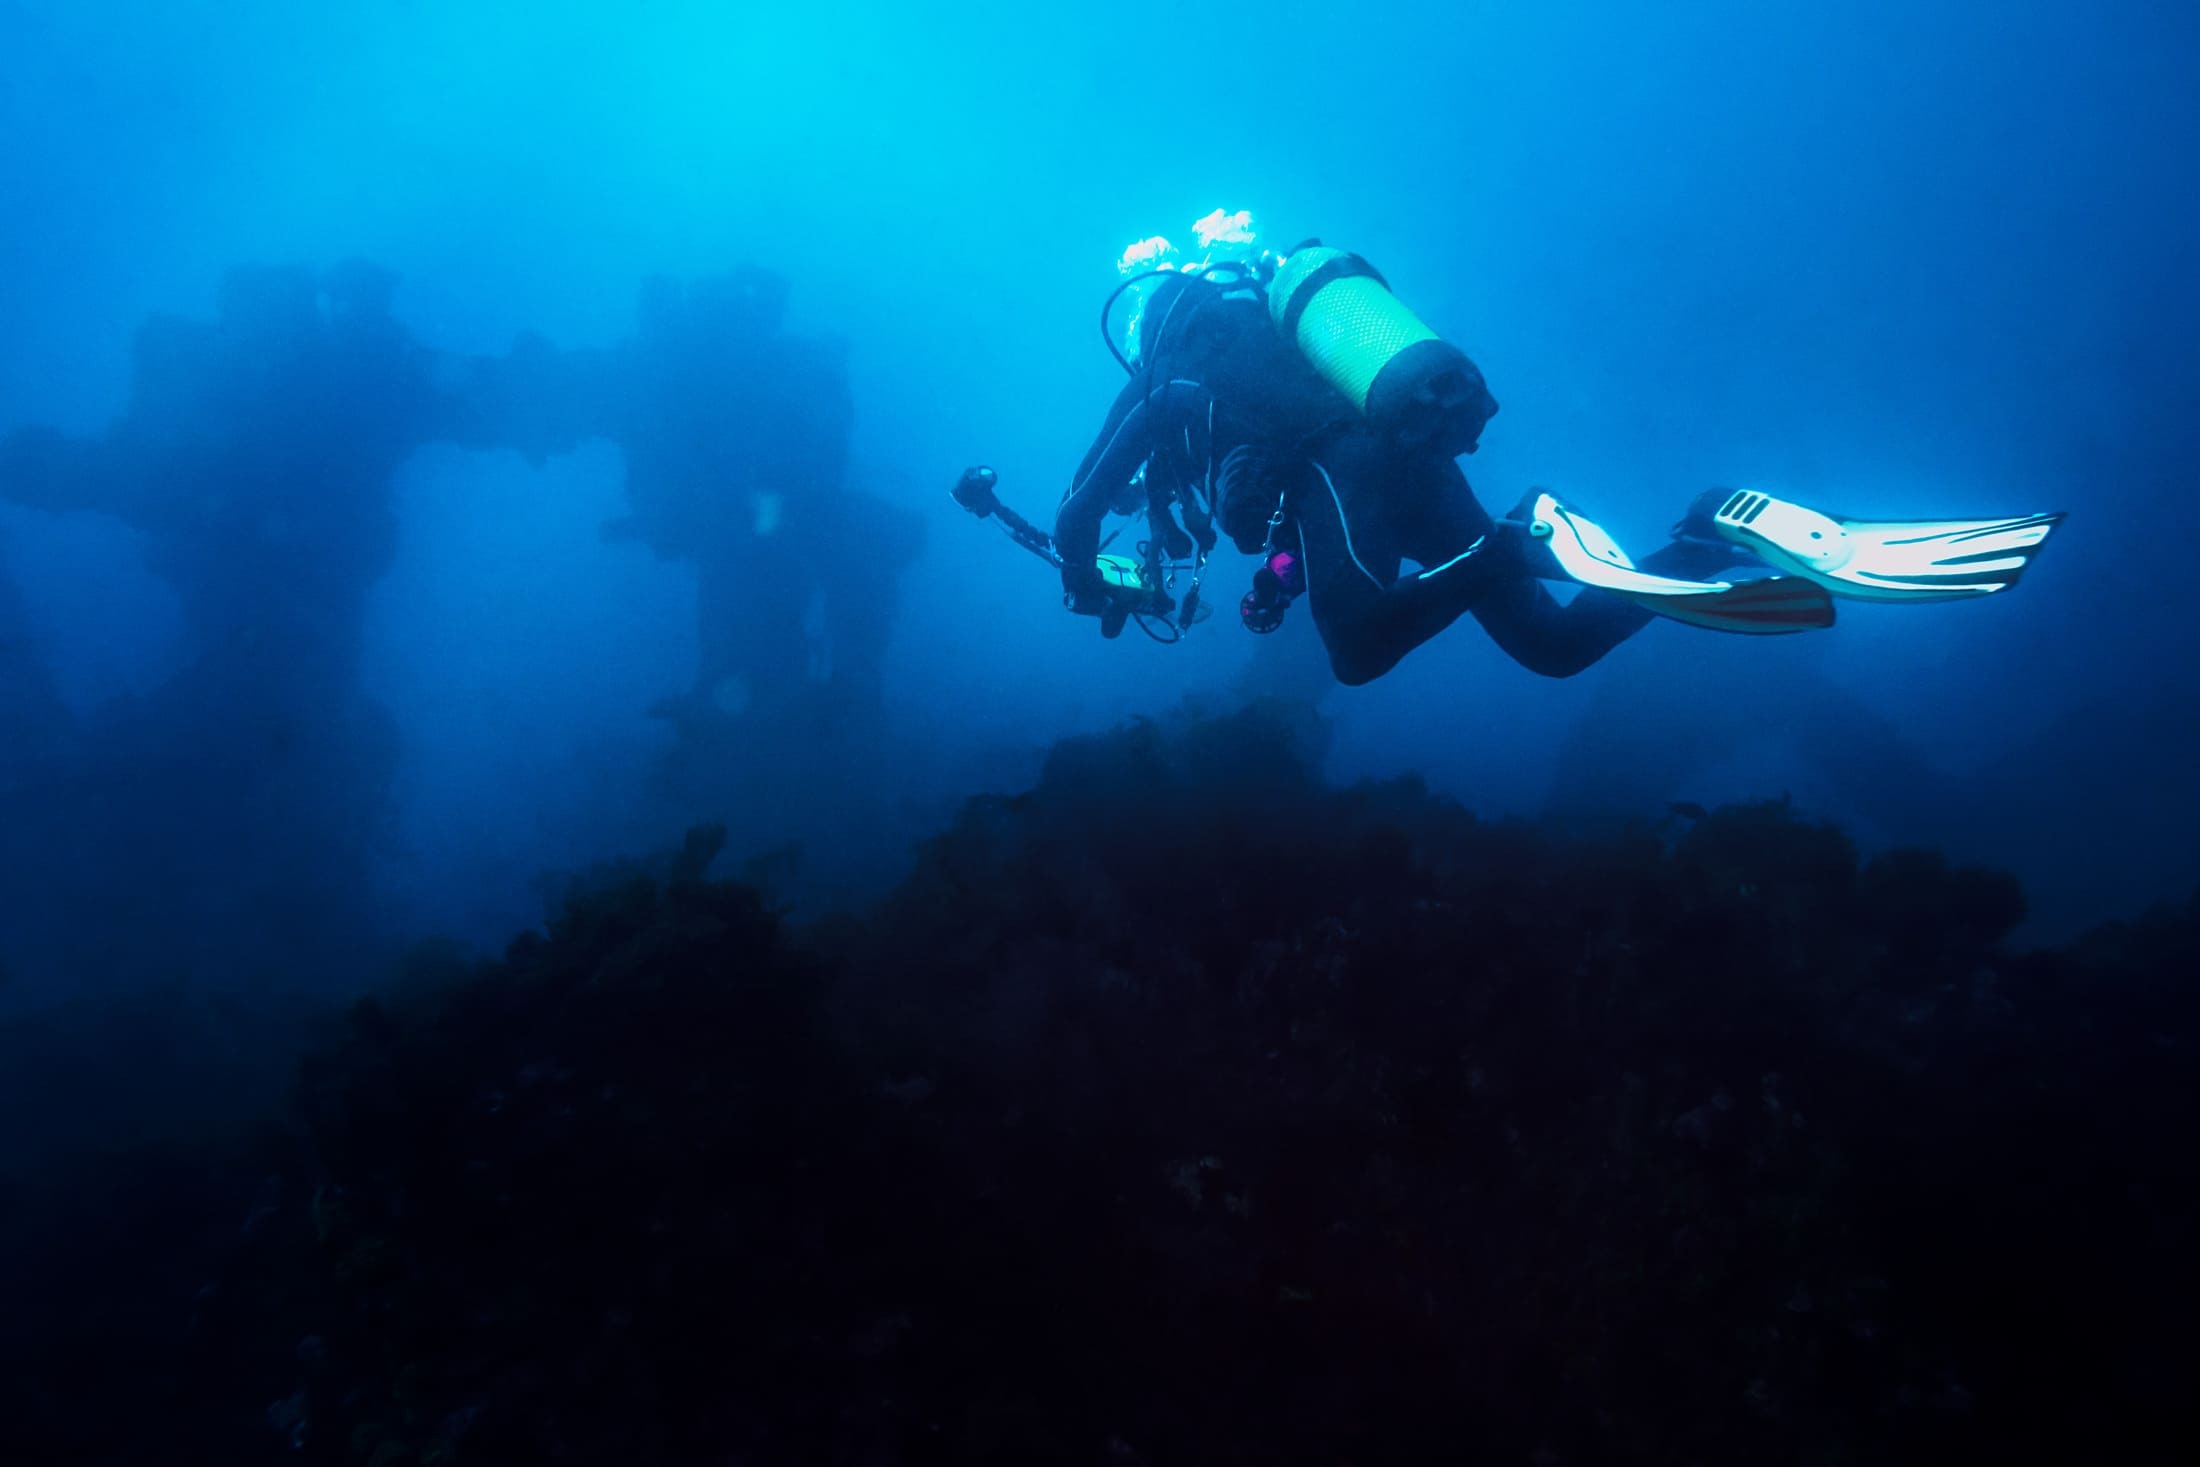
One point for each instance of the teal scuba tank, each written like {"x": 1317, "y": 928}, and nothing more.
{"x": 1407, "y": 382}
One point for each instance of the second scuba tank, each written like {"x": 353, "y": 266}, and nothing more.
{"x": 1408, "y": 382}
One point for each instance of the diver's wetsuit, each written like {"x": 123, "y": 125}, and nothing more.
{"x": 1235, "y": 428}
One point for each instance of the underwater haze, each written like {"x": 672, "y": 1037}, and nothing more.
{"x": 1893, "y": 260}
{"x": 459, "y": 459}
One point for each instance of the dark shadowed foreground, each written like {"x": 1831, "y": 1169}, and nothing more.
{"x": 1180, "y": 1110}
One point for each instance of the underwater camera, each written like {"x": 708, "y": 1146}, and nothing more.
{"x": 974, "y": 491}
{"x": 1136, "y": 589}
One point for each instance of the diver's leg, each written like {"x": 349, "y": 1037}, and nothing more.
{"x": 1355, "y": 525}
{"x": 1556, "y": 640}
{"x": 1559, "y": 639}
{"x": 1362, "y": 512}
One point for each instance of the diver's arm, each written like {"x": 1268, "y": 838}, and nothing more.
{"x": 1143, "y": 410}
{"x": 1108, "y": 467}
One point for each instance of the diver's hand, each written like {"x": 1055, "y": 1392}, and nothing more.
{"x": 1096, "y": 600}
{"x": 1084, "y": 589}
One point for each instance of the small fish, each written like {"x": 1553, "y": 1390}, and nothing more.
{"x": 1687, "y": 810}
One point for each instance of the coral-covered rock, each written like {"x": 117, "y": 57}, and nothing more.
{"x": 1186, "y": 1109}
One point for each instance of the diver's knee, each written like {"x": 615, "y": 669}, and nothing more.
{"x": 1356, "y": 667}
{"x": 1559, "y": 665}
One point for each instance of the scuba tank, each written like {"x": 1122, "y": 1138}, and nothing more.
{"x": 1407, "y": 382}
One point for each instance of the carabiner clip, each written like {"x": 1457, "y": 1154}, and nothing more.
{"x": 1275, "y": 523}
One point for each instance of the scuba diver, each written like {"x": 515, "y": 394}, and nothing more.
{"x": 1291, "y": 403}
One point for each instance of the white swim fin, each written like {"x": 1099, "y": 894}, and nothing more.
{"x": 1885, "y": 560}
{"x": 1586, "y": 553}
